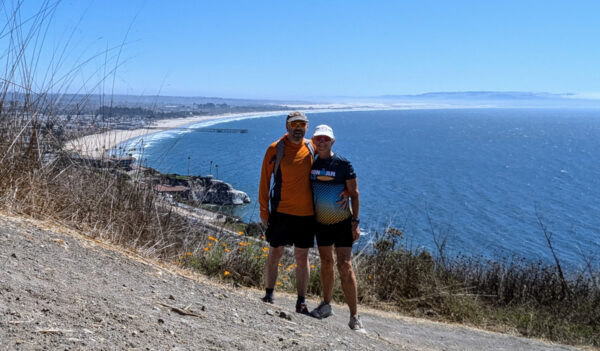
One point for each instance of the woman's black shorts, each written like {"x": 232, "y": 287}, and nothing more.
{"x": 338, "y": 234}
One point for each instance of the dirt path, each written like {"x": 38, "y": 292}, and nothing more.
{"x": 63, "y": 291}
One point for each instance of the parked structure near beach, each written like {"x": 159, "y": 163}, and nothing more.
{"x": 200, "y": 190}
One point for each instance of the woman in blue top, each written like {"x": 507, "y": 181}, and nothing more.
{"x": 336, "y": 226}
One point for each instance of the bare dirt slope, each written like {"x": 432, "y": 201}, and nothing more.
{"x": 61, "y": 290}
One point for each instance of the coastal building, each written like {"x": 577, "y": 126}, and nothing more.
{"x": 176, "y": 192}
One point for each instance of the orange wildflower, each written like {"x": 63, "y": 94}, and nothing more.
{"x": 226, "y": 273}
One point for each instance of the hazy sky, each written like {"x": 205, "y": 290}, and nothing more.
{"x": 302, "y": 49}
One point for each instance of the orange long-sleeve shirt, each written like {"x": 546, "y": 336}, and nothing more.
{"x": 294, "y": 197}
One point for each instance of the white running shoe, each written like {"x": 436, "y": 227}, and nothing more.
{"x": 356, "y": 324}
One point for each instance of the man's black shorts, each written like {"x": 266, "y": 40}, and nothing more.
{"x": 338, "y": 234}
{"x": 285, "y": 229}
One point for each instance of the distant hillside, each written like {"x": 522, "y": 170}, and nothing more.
{"x": 499, "y": 99}
{"x": 485, "y": 95}
{"x": 94, "y": 101}
{"x": 495, "y": 99}
{"x": 187, "y": 100}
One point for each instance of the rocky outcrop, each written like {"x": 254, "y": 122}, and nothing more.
{"x": 202, "y": 190}
{"x": 207, "y": 190}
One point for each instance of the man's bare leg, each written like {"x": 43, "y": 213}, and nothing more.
{"x": 302, "y": 270}
{"x": 349, "y": 286}
{"x": 327, "y": 272}
{"x": 271, "y": 267}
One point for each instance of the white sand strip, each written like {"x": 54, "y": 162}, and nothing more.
{"x": 97, "y": 145}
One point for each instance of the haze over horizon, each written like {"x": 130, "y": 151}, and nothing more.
{"x": 313, "y": 50}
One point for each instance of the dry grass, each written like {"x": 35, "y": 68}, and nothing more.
{"x": 498, "y": 294}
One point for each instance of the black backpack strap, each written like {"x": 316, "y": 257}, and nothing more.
{"x": 275, "y": 191}
{"x": 278, "y": 156}
{"x": 310, "y": 147}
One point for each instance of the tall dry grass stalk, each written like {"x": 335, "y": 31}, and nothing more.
{"x": 38, "y": 178}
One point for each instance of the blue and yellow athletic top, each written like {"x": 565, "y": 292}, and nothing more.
{"x": 328, "y": 180}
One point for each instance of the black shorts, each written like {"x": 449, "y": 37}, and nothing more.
{"x": 285, "y": 229}
{"x": 338, "y": 234}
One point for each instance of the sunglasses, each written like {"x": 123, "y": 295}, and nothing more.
{"x": 296, "y": 124}
{"x": 322, "y": 138}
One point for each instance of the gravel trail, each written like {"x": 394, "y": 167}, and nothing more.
{"x": 62, "y": 290}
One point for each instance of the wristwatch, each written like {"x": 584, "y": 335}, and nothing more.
{"x": 355, "y": 220}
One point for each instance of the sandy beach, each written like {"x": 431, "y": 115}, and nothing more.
{"x": 97, "y": 145}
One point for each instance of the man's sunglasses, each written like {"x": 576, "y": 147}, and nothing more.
{"x": 296, "y": 124}
{"x": 322, "y": 138}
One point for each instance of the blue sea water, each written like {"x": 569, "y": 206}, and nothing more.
{"x": 483, "y": 178}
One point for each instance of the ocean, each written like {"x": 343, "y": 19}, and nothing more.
{"x": 486, "y": 180}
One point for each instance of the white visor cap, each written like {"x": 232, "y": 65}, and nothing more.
{"x": 323, "y": 129}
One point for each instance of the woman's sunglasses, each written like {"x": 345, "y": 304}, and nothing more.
{"x": 322, "y": 138}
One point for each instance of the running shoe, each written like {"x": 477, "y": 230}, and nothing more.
{"x": 267, "y": 299}
{"x": 322, "y": 311}
{"x": 301, "y": 308}
{"x": 356, "y": 324}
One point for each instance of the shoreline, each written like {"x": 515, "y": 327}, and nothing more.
{"x": 98, "y": 145}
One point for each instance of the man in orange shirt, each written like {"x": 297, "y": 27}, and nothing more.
{"x": 290, "y": 216}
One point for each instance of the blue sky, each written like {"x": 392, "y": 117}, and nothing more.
{"x": 307, "y": 49}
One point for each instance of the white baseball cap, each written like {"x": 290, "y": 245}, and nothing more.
{"x": 323, "y": 129}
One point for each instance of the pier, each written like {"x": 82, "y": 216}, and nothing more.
{"x": 209, "y": 130}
